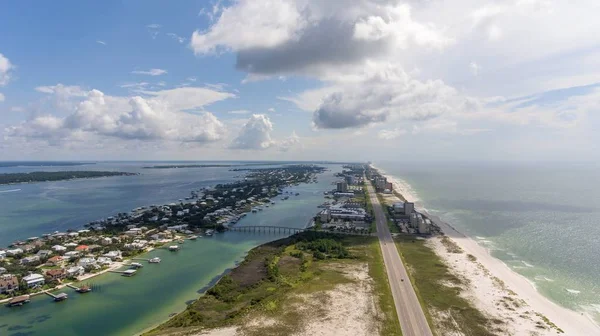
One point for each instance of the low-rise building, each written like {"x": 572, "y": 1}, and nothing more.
{"x": 30, "y": 260}
{"x": 44, "y": 253}
{"x": 114, "y": 255}
{"x": 14, "y": 252}
{"x": 34, "y": 280}
{"x": 104, "y": 261}
{"x": 56, "y": 274}
{"x": 87, "y": 262}
{"x": 75, "y": 271}
{"x": 2, "y": 270}
{"x": 59, "y": 248}
{"x": 82, "y": 248}
{"x": 55, "y": 261}
{"x": 8, "y": 283}
{"x": 2, "y": 254}
{"x": 106, "y": 241}
{"x": 72, "y": 254}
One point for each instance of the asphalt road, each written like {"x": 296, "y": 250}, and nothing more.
{"x": 411, "y": 316}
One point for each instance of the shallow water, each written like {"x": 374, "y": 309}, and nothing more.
{"x": 543, "y": 221}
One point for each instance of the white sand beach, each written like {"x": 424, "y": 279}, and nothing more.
{"x": 499, "y": 291}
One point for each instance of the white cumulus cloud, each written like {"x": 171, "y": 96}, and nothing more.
{"x": 255, "y": 134}
{"x": 151, "y": 72}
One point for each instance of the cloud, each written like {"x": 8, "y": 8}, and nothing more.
{"x": 271, "y": 109}
{"x": 475, "y": 68}
{"x": 390, "y": 134}
{"x": 151, "y": 72}
{"x": 160, "y": 117}
{"x": 291, "y": 142}
{"x": 5, "y": 69}
{"x": 239, "y": 112}
{"x": 100, "y": 42}
{"x": 138, "y": 85}
{"x": 177, "y": 37}
{"x": 154, "y": 26}
{"x": 289, "y": 38}
{"x": 1, "y": 97}
{"x": 153, "y": 29}
{"x": 386, "y": 93}
{"x": 255, "y": 134}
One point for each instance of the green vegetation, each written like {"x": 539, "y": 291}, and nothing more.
{"x": 275, "y": 277}
{"x": 451, "y": 246}
{"x": 10, "y": 178}
{"x": 369, "y": 208}
{"x": 439, "y": 291}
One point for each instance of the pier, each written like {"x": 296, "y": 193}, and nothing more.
{"x": 128, "y": 273}
{"x": 82, "y": 289}
{"x": 57, "y": 297}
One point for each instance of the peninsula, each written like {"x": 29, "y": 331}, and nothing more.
{"x": 42, "y": 176}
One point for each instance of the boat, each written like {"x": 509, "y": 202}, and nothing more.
{"x": 154, "y": 260}
{"x": 61, "y": 297}
{"x": 136, "y": 265}
{"x": 193, "y": 237}
{"x": 19, "y": 301}
{"x": 181, "y": 241}
{"x": 297, "y": 194}
{"x": 209, "y": 232}
{"x": 173, "y": 248}
{"x": 272, "y": 202}
{"x": 84, "y": 289}
{"x": 254, "y": 211}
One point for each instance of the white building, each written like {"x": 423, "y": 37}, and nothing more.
{"x": 34, "y": 280}
{"x": 59, "y": 248}
{"x": 104, "y": 261}
{"x": 75, "y": 271}
{"x": 14, "y": 252}
{"x": 409, "y": 207}
{"x": 87, "y": 262}
{"x": 106, "y": 241}
{"x": 72, "y": 254}
{"x": 2, "y": 255}
{"x": 113, "y": 255}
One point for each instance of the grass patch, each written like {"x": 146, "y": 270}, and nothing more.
{"x": 451, "y": 246}
{"x": 270, "y": 282}
{"x": 431, "y": 278}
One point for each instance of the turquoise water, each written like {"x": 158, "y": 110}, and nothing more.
{"x": 541, "y": 220}
{"x": 126, "y": 306}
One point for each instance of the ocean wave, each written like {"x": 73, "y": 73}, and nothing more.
{"x": 572, "y": 291}
{"x": 543, "y": 278}
{"x": 527, "y": 264}
{"x": 480, "y": 238}
{"x": 9, "y": 191}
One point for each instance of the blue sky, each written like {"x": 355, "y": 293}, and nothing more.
{"x": 306, "y": 79}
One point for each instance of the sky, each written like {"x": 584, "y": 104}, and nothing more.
{"x": 414, "y": 80}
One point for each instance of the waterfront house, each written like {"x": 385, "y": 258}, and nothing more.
{"x": 14, "y": 252}
{"x": 56, "y": 274}
{"x": 75, "y": 271}
{"x": 82, "y": 248}
{"x": 104, "y": 261}
{"x": 106, "y": 241}
{"x": 8, "y": 283}
{"x": 72, "y": 254}
{"x": 44, "y": 253}
{"x": 34, "y": 280}
{"x": 59, "y": 248}
{"x": 2, "y": 270}
{"x": 30, "y": 260}
{"x": 71, "y": 244}
{"x": 83, "y": 231}
{"x": 73, "y": 234}
{"x": 28, "y": 248}
{"x": 114, "y": 255}
{"x": 2, "y": 254}
{"x": 55, "y": 261}
{"x": 87, "y": 263}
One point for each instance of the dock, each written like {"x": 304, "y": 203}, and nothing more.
{"x": 82, "y": 289}
{"x": 127, "y": 273}
{"x": 58, "y": 297}
{"x": 19, "y": 301}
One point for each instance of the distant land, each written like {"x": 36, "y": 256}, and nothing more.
{"x": 42, "y": 163}
{"x": 12, "y": 178}
{"x": 267, "y": 163}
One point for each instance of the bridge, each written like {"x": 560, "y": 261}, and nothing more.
{"x": 290, "y": 230}
{"x": 266, "y": 229}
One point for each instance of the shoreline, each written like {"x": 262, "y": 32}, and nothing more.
{"x": 570, "y": 321}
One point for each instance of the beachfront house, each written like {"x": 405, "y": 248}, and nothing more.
{"x": 59, "y": 248}
{"x": 8, "y": 283}
{"x": 34, "y": 280}
{"x": 82, "y": 248}
{"x": 75, "y": 271}
{"x": 106, "y": 241}
{"x": 30, "y": 260}
{"x": 56, "y": 274}
{"x": 2, "y": 254}
{"x": 69, "y": 245}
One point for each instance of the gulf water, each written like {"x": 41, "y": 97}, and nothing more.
{"x": 542, "y": 220}
{"x": 126, "y": 306}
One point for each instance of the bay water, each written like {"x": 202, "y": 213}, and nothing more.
{"x": 127, "y": 306}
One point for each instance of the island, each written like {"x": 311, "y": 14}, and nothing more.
{"x": 42, "y": 176}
